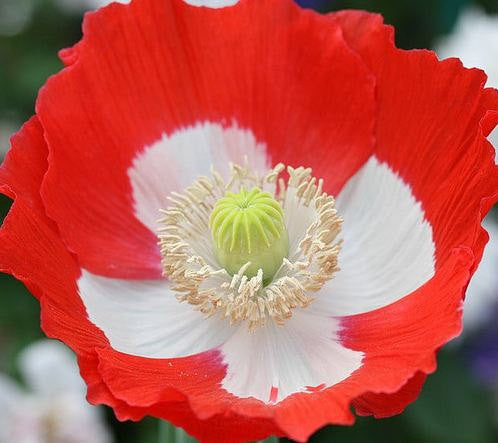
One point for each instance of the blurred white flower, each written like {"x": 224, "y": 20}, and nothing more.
{"x": 475, "y": 42}
{"x": 53, "y": 409}
{"x": 15, "y": 16}
{"x": 84, "y": 5}
{"x": 482, "y": 292}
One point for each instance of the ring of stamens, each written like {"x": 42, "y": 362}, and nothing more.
{"x": 190, "y": 264}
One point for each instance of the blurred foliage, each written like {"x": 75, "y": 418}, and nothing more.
{"x": 490, "y": 6}
{"x": 29, "y": 57}
{"x": 451, "y": 408}
{"x": 417, "y": 23}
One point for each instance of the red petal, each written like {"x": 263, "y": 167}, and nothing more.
{"x": 429, "y": 129}
{"x": 153, "y": 67}
{"x": 30, "y": 246}
{"x": 31, "y": 159}
{"x": 432, "y": 119}
{"x": 21, "y": 175}
{"x": 387, "y": 405}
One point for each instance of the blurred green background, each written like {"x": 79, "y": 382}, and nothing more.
{"x": 454, "y": 405}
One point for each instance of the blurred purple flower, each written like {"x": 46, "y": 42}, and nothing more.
{"x": 482, "y": 293}
{"x": 52, "y": 407}
{"x": 482, "y": 298}
{"x": 483, "y": 353}
{"x": 314, "y": 4}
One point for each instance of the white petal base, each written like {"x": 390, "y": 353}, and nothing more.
{"x": 275, "y": 362}
{"x": 144, "y": 318}
{"x": 388, "y": 249}
{"x": 174, "y": 162}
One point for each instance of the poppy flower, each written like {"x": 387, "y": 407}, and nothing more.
{"x": 173, "y": 159}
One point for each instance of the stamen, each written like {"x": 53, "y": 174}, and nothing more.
{"x": 246, "y": 292}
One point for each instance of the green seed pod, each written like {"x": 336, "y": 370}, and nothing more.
{"x": 249, "y": 227}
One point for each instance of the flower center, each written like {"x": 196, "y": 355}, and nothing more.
{"x": 250, "y": 256}
{"x": 249, "y": 227}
